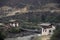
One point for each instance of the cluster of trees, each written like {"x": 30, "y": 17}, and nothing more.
{"x": 4, "y": 32}
{"x": 2, "y": 35}
{"x": 45, "y": 17}
{"x": 56, "y": 35}
{"x": 14, "y": 30}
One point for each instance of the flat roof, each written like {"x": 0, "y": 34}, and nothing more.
{"x": 45, "y": 24}
{"x": 12, "y": 20}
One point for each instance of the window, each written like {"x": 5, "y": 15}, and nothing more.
{"x": 53, "y": 30}
{"x": 49, "y": 31}
{"x": 44, "y": 30}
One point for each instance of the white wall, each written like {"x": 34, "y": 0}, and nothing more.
{"x": 46, "y": 31}
{"x": 14, "y": 24}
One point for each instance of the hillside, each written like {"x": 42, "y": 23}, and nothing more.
{"x": 29, "y": 10}
{"x": 36, "y": 17}
{"x": 10, "y": 11}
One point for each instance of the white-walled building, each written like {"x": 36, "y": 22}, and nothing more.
{"x": 14, "y": 23}
{"x": 47, "y": 28}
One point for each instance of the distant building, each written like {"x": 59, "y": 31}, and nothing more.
{"x": 47, "y": 28}
{"x": 12, "y": 23}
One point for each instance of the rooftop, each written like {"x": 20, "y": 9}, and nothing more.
{"x": 12, "y": 20}
{"x": 45, "y": 24}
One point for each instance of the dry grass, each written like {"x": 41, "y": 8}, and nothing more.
{"x": 43, "y": 37}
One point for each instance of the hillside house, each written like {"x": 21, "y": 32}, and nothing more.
{"x": 47, "y": 28}
{"x": 12, "y": 23}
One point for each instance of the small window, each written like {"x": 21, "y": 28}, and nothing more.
{"x": 44, "y": 30}
{"x": 49, "y": 31}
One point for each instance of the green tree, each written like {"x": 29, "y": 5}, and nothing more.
{"x": 14, "y": 30}
{"x": 56, "y": 35}
{"x": 2, "y": 35}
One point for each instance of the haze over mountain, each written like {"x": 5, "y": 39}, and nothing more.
{"x": 19, "y": 3}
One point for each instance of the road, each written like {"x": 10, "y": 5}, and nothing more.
{"x": 30, "y": 37}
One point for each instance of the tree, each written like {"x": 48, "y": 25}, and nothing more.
{"x": 56, "y": 35}
{"x": 43, "y": 18}
{"x": 2, "y": 35}
{"x": 14, "y": 30}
